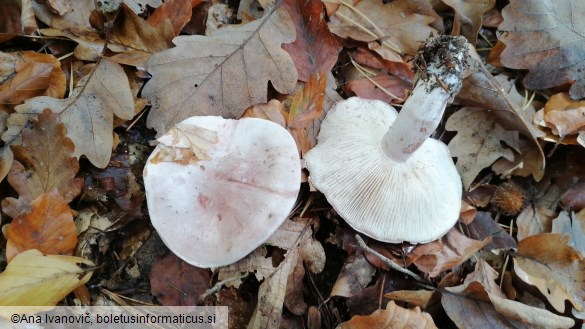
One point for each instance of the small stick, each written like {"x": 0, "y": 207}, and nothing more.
{"x": 387, "y": 261}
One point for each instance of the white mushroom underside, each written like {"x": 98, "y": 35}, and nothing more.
{"x": 416, "y": 201}
{"x": 215, "y": 212}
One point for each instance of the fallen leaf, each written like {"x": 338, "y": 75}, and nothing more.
{"x": 315, "y": 49}
{"x": 177, "y": 11}
{"x": 573, "y": 198}
{"x": 534, "y": 220}
{"x": 29, "y": 74}
{"x": 456, "y": 248}
{"x": 75, "y": 19}
{"x": 88, "y": 112}
{"x": 384, "y": 87}
{"x": 240, "y": 309}
{"x": 355, "y": 275}
{"x": 222, "y": 74}
{"x": 400, "y": 26}
{"x": 479, "y": 303}
{"x": 305, "y": 108}
{"x": 273, "y": 111}
{"x": 35, "y": 279}
{"x": 484, "y": 226}
{"x": 176, "y": 283}
{"x": 563, "y": 116}
{"x": 574, "y": 226}
{"x": 393, "y": 317}
{"x": 10, "y": 25}
{"x": 43, "y": 163}
{"x": 478, "y": 142}
{"x": 420, "y": 298}
{"x": 558, "y": 271}
{"x": 544, "y": 38}
{"x": 510, "y": 110}
{"x": 49, "y": 227}
{"x": 137, "y": 35}
{"x": 468, "y": 17}
{"x": 271, "y": 294}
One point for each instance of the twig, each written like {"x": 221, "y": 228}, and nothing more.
{"x": 386, "y": 260}
{"x": 220, "y": 284}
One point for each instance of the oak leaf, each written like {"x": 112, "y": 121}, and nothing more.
{"x": 393, "y": 317}
{"x": 478, "y": 142}
{"x": 139, "y": 38}
{"x": 43, "y": 162}
{"x": 546, "y": 38}
{"x": 222, "y": 74}
{"x": 49, "y": 227}
{"x": 355, "y": 275}
{"x": 456, "y": 248}
{"x": 534, "y": 220}
{"x": 35, "y": 279}
{"x": 77, "y": 18}
{"x": 177, "y": 11}
{"x": 176, "y": 283}
{"x": 400, "y": 26}
{"x": 468, "y": 17}
{"x": 315, "y": 49}
{"x": 561, "y": 118}
{"x": 88, "y": 113}
{"x": 28, "y": 74}
{"x": 574, "y": 226}
{"x": 510, "y": 110}
{"x": 479, "y": 303}
{"x": 557, "y": 270}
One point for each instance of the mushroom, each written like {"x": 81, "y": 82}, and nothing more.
{"x": 217, "y": 188}
{"x": 380, "y": 170}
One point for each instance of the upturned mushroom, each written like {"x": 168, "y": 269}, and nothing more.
{"x": 380, "y": 170}
{"x": 216, "y": 188}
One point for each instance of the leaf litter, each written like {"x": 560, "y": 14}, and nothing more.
{"x": 75, "y": 140}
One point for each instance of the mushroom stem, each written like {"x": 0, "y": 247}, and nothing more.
{"x": 441, "y": 65}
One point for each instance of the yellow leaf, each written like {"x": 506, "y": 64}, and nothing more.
{"x": 35, "y": 279}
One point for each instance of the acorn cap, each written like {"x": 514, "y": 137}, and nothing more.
{"x": 417, "y": 200}
{"x": 218, "y": 188}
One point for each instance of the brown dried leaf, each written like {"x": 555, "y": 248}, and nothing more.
{"x": 28, "y": 74}
{"x": 401, "y": 26}
{"x": 306, "y": 107}
{"x": 315, "y": 48}
{"x": 271, "y": 294}
{"x": 44, "y": 161}
{"x": 478, "y": 142}
{"x": 75, "y": 19}
{"x": 479, "y": 303}
{"x": 534, "y": 220}
{"x": 10, "y": 25}
{"x": 222, "y": 74}
{"x": 420, "y": 298}
{"x": 49, "y": 227}
{"x": 456, "y": 248}
{"x": 563, "y": 116}
{"x": 42, "y": 280}
{"x": 273, "y": 111}
{"x": 574, "y": 226}
{"x": 483, "y": 226}
{"x": 557, "y": 270}
{"x": 137, "y": 35}
{"x": 176, "y": 283}
{"x": 468, "y": 17}
{"x": 355, "y": 275}
{"x": 177, "y": 11}
{"x": 499, "y": 95}
{"x": 393, "y": 317}
{"x": 546, "y": 38}
{"x": 87, "y": 114}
